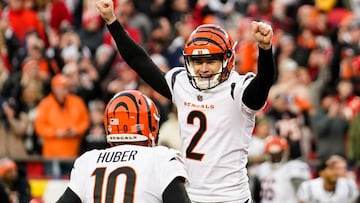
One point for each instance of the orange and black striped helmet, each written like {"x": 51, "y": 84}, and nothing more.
{"x": 206, "y": 41}
{"x": 275, "y": 144}
{"x": 131, "y": 116}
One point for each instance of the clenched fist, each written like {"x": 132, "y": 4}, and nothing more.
{"x": 262, "y": 33}
{"x": 106, "y": 9}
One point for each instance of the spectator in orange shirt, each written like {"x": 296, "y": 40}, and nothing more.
{"x": 61, "y": 121}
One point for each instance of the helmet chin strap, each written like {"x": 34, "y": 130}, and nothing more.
{"x": 152, "y": 139}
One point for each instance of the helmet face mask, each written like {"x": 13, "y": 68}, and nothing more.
{"x": 209, "y": 42}
{"x": 206, "y": 81}
{"x": 130, "y": 116}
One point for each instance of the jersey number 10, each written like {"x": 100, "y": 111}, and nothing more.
{"x": 99, "y": 174}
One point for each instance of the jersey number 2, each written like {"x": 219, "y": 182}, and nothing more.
{"x": 190, "y": 154}
{"x": 99, "y": 174}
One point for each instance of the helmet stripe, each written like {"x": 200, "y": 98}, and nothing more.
{"x": 133, "y": 99}
{"x": 205, "y": 39}
{"x": 216, "y": 33}
{"x": 149, "y": 112}
{"x": 215, "y": 28}
{"x": 119, "y": 105}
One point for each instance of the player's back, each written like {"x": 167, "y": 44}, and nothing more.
{"x": 125, "y": 173}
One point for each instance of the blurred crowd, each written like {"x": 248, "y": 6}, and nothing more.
{"x": 59, "y": 52}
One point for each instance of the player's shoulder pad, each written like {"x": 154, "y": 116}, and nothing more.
{"x": 298, "y": 163}
{"x": 87, "y": 155}
{"x": 243, "y": 80}
{"x": 175, "y": 72}
{"x": 298, "y": 166}
{"x": 248, "y": 76}
{"x": 176, "y": 155}
{"x": 170, "y": 154}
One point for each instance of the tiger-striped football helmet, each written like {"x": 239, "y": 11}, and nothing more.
{"x": 209, "y": 41}
{"x": 131, "y": 116}
{"x": 277, "y": 149}
{"x": 275, "y": 144}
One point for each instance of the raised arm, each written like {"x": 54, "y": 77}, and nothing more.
{"x": 133, "y": 54}
{"x": 256, "y": 92}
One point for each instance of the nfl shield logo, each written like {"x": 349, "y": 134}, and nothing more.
{"x": 199, "y": 98}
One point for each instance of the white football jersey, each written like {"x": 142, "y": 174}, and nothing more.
{"x": 125, "y": 173}
{"x": 257, "y": 146}
{"x": 276, "y": 183}
{"x": 312, "y": 191}
{"x": 215, "y": 130}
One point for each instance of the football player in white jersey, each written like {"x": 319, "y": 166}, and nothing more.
{"x": 331, "y": 186}
{"x": 279, "y": 178}
{"x": 133, "y": 169}
{"x": 216, "y": 105}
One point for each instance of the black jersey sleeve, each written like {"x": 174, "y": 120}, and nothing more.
{"x": 257, "y": 91}
{"x": 175, "y": 192}
{"x": 138, "y": 59}
{"x": 69, "y": 197}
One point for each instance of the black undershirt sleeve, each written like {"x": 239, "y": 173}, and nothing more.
{"x": 138, "y": 59}
{"x": 175, "y": 192}
{"x": 69, "y": 197}
{"x": 256, "y": 93}
{"x": 4, "y": 197}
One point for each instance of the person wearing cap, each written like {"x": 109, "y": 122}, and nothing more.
{"x": 331, "y": 185}
{"x": 61, "y": 121}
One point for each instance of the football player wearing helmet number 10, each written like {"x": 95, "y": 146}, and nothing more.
{"x": 132, "y": 169}
{"x": 216, "y": 105}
